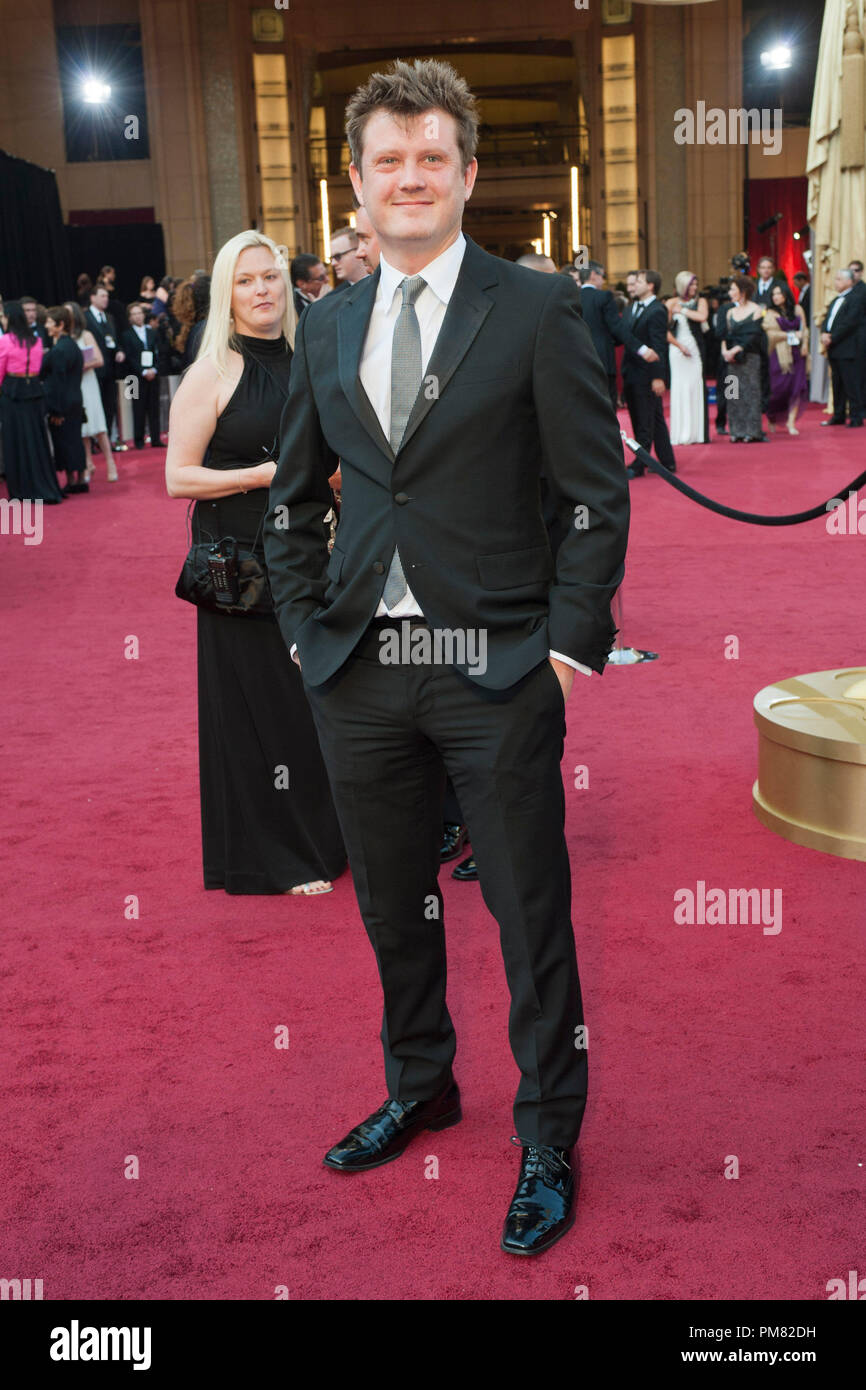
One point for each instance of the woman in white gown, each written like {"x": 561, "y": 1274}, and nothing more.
{"x": 94, "y": 422}
{"x": 687, "y": 313}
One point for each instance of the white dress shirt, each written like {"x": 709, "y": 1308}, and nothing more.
{"x": 375, "y": 365}
{"x": 141, "y": 331}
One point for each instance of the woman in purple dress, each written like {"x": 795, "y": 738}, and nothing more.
{"x": 788, "y": 347}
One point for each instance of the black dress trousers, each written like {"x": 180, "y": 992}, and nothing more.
{"x": 385, "y": 732}
{"x": 648, "y": 421}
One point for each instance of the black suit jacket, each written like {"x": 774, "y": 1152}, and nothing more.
{"x": 514, "y": 390}
{"x": 651, "y": 329}
{"x": 605, "y": 325}
{"x": 132, "y": 346}
{"x": 766, "y": 296}
{"x": 61, "y": 372}
{"x": 848, "y": 325}
{"x": 101, "y": 331}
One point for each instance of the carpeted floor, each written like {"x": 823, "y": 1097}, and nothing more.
{"x": 149, "y": 1041}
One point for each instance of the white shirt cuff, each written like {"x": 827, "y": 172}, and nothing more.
{"x": 569, "y": 661}
{"x": 642, "y": 351}
{"x": 292, "y": 649}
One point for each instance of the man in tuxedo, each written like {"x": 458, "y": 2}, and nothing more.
{"x": 768, "y": 276}
{"x": 842, "y": 334}
{"x": 104, "y": 330}
{"x": 141, "y": 345}
{"x": 116, "y": 308}
{"x": 446, "y": 383}
{"x": 644, "y": 382}
{"x": 804, "y": 294}
{"x": 859, "y": 289}
{"x": 309, "y": 278}
{"x": 605, "y": 325}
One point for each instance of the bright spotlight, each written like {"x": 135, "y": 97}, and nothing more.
{"x": 94, "y": 91}
{"x": 776, "y": 58}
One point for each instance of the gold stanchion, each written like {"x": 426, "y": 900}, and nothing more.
{"x": 811, "y": 785}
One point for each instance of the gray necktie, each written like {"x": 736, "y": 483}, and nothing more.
{"x": 405, "y": 385}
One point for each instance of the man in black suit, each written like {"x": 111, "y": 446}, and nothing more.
{"x": 605, "y": 325}
{"x": 804, "y": 293}
{"x": 842, "y": 333}
{"x": 309, "y": 278}
{"x": 141, "y": 346}
{"x": 644, "y": 382}
{"x": 859, "y": 289}
{"x": 446, "y": 383}
{"x": 768, "y": 277}
{"x": 104, "y": 330}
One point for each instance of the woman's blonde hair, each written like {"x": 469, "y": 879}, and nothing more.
{"x": 219, "y": 332}
{"x": 683, "y": 280}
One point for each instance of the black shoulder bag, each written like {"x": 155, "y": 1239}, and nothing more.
{"x": 219, "y": 576}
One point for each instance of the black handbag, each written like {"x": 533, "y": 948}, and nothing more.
{"x": 219, "y": 576}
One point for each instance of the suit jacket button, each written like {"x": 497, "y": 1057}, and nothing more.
{"x": 378, "y": 567}
{"x": 401, "y": 497}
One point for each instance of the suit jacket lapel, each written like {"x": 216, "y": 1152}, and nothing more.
{"x": 352, "y": 323}
{"x": 467, "y": 309}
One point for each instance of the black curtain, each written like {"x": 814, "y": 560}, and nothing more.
{"x": 34, "y": 254}
{"x": 135, "y": 249}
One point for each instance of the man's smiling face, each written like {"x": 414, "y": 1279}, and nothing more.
{"x": 412, "y": 180}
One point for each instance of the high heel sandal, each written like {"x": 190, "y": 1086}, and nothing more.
{"x": 311, "y": 890}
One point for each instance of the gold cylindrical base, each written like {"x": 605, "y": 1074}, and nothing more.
{"x": 811, "y": 785}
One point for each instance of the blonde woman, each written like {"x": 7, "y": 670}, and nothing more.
{"x": 688, "y": 313}
{"x": 268, "y": 821}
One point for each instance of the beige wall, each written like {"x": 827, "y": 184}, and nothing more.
{"x": 200, "y": 178}
{"x": 790, "y": 162}
{"x": 694, "y": 193}
{"x": 177, "y": 143}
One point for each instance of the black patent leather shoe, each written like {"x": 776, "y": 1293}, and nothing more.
{"x": 542, "y": 1208}
{"x": 632, "y": 472}
{"x": 467, "y": 872}
{"x": 389, "y": 1130}
{"x": 454, "y": 837}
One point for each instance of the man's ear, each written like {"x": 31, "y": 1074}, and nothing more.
{"x": 469, "y": 176}
{"x": 356, "y": 183}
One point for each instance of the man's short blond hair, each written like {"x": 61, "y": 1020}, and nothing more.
{"x": 409, "y": 90}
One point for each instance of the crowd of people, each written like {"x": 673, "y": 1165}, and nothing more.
{"x": 67, "y": 369}
{"x": 742, "y": 343}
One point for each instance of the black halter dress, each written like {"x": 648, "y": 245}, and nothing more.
{"x": 268, "y": 820}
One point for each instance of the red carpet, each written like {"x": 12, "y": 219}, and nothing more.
{"x": 154, "y": 1037}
